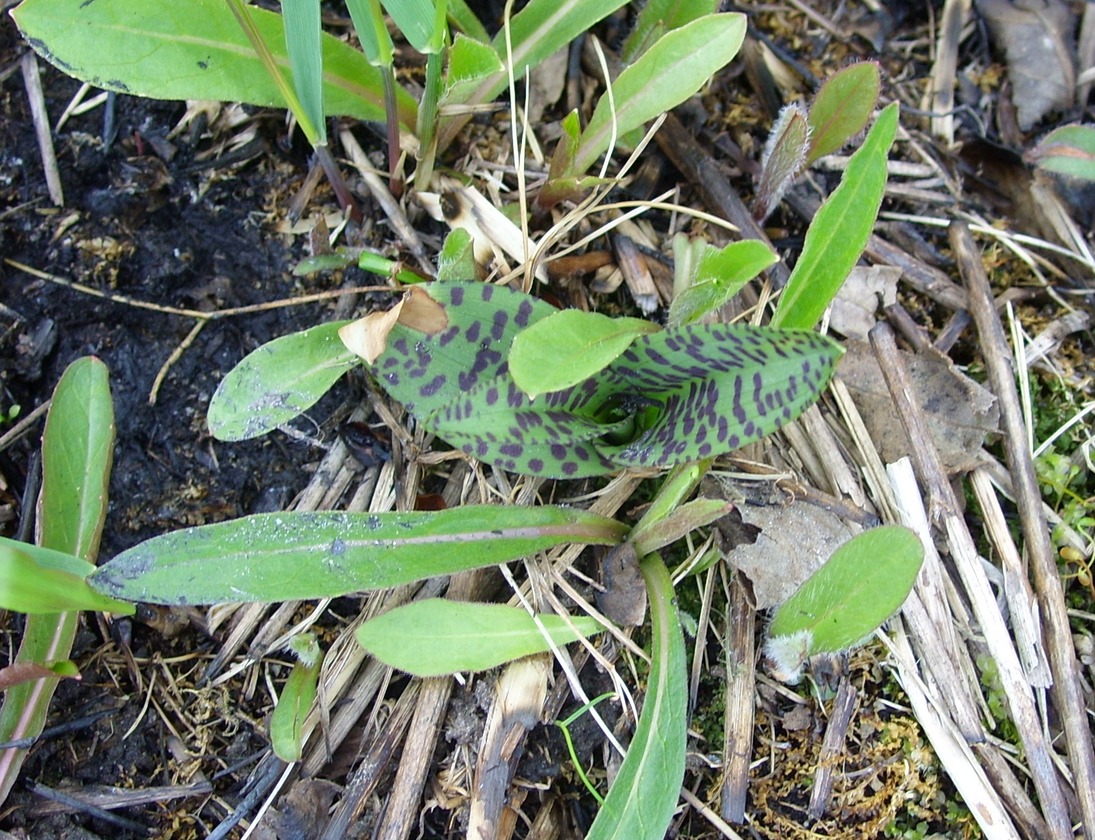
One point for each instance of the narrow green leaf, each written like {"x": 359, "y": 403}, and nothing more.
{"x": 842, "y": 108}
{"x": 537, "y": 31}
{"x": 278, "y": 381}
{"x": 303, "y": 31}
{"x": 196, "y": 50}
{"x": 77, "y": 451}
{"x": 372, "y": 31}
{"x": 48, "y": 558}
{"x": 27, "y": 587}
{"x": 663, "y": 77}
{"x": 578, "y": 345}
{"x": 644, "y": 796}
{"x": 293, "y": 556}
{"x": 433, "y": 637}
{"x": 1068, "y": 150}
{"x": 716, "y": 276}
{"x": 865, "y": 581}
{"x": 840, "y": 230}
{"x": 466, "y": 21}
{"x": 657, "y": 17}
{"x": 295, "y": 702}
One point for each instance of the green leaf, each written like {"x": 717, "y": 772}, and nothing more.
{"x": 278, "y": 381}
{"x": 415, "y": 19}
{"x": 27, "y": 587}
{"x": 671, "y": 397}
{"x": 299, "y": 556}
{"x": 466, "y": 21}
{"x": 457, "y": 258}
{"x": 372, "y": 31}
{"x": 295, "y": 702}
{"x": 842, "y": 108}
{"x": 433, "y": 637}
{"x": 470, "y": 62}
{"x": 663, "y": 77}
{"x": 839, "y": 231}
{"x": 1068, "y": 150}
{"x": 577, "y": 344}
{"x": 657, "y": 17}
{"x": 865, "y": 581}
{"x": 196, "y": 50}
{"x": 644, "y": 796}
{"x": 716, "y": 276}
{"x": 303, "y": 44}
{"x": 77, "y": 452}
{"x": 537, "y": 31}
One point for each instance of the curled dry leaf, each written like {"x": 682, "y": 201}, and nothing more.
{"x": 368, "y": 337}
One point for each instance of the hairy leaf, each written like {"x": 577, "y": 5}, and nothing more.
{"x": 433, "y": 637}
{"x": 842, "y": 108}
{"x": 293, "y": 555}
{"x": 865, "y": 581}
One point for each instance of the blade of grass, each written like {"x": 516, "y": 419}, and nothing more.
{"x": 302, "y": 43}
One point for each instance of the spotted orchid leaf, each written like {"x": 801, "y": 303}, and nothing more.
{"x": 672, "y": 396}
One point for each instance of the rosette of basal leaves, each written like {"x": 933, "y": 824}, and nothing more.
{"x": 649, "y": 399}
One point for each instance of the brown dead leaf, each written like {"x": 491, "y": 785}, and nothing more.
{"x": 367, "y": 337}
{"x": 1036, "y": 37}
{"x": 624, "y": 597}
{"x": 959, "y": 412}
{"x": 867, "y": 289}
{"x": 794, "y": 540}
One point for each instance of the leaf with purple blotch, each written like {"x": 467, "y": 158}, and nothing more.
{"x": 672, "y": 396}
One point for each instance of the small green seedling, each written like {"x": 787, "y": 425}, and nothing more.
{"x": 865, "y": 581}
{"x": 297, "y": 696}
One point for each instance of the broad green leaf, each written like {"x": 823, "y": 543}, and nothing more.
{"x": 192, "y": 50}
{"x": 303, "y": 45}
{"x": 568, "y": 347}
{"x": 671, "y": 397}
{"x": 644, "y": 796}
{"x": 433, "y": 637}
{"x": 470, "y": 62}
{"x": 663, "y": 77}
{"x": 839, "y": 231}
{"x": 27, "y": 587}
{"x": 842, "y": 108}
{"x": 657, "y": 17}
{"x": 295, "y": 702}
{"x": 717, "y": 275}
{"x": 1068, "y": 150}
{"x": 77, "y": 451}
{"x": 784, "y": 158}
{"x": 865, "y": 581}
{"x": 278, "y": 381}
{"x": 299, "y": 556}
